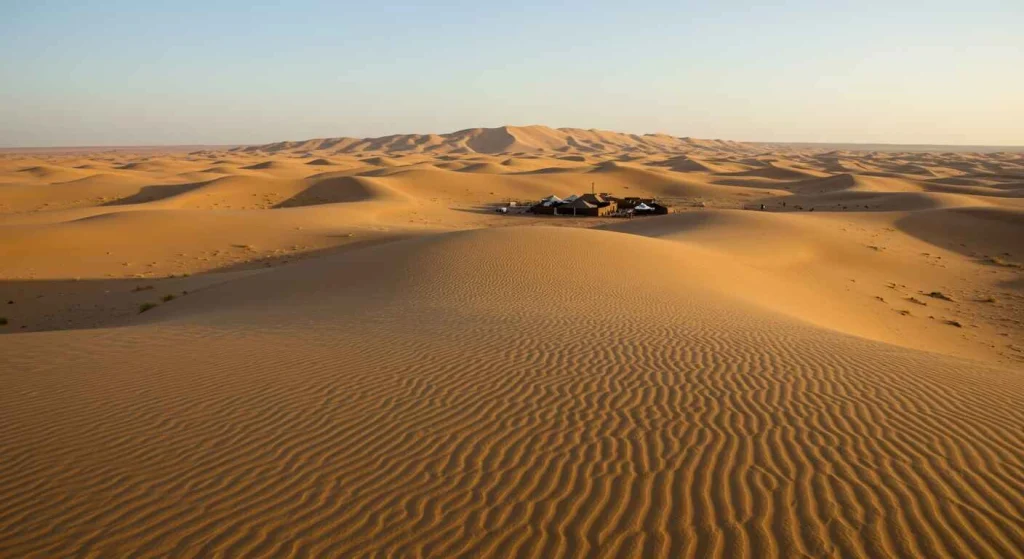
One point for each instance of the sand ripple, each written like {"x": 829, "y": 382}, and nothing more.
{"x": 448, "y": 420}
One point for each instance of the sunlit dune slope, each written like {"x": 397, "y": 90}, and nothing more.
{"x": 853, "y": 241}
{"x": 521, "y": 391}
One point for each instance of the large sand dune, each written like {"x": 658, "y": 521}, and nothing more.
{"x": 351, "y": 354}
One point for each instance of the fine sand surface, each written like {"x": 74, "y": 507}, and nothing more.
{"x": 351, "y": 354}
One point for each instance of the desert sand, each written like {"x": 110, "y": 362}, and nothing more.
{"x": 345, "y": 351}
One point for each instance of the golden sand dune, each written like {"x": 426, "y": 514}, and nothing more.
{"x": 506, "y": 139}
{"x": 345, "y": 351}
{"x": 438, "y": 398}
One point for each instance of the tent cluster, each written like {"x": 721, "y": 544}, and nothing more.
{"x": 597, "y": 205}
{"x": 641, "y": 206}
{"x": 585, "y": 205}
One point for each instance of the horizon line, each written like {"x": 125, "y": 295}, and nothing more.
{"x": 199, "y": 145}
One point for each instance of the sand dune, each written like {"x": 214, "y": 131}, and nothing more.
{"x": 673, "y": 420}
{"x": 346, "y": 352}
{"x": 53, "y": 173}
{"x": 776, "y": 172}
{"x": 333, "y": 190}
{"x": 506, "y": 139}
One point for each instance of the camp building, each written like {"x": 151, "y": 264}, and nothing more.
{"x": 594, "y": 205}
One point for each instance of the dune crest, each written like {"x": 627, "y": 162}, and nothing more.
{"x": 504, "y": 140}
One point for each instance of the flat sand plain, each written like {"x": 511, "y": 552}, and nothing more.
{"x": 349, "y": 353}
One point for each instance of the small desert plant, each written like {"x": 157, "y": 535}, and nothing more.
{"x": 146, "y": 306}
{"x": 988, "y": 299}
{"x": 940, "y": 295}
{"x": 168, "y": 297}
{"x": 142, "y": 288}
{"x": 954, "y": 323}
{"x": 916, "y": 301}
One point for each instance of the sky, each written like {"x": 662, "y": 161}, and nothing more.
{"x": 233, "y": 72}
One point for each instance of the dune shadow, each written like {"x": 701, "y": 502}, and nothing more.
{"x": 992, "y": 236}
{"x": 157, "y": 192}
{"x": 549, "y": 171}
{"x": 68, "y": 304}
{"x": 822, "y": 184}
{"x": 341, "y": 189}
{"x": 492, "y": 209}
{"x": 260, "y": 166}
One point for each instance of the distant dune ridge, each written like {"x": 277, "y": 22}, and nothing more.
{"x": 337, "y": 348}
{"x": 506, "y": 139}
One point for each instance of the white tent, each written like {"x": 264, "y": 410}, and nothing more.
{"x": 550, "y": 200}
{"x": 571, "y": 198}
{"x": 642, "y": 207}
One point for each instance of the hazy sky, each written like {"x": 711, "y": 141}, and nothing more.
{"x": 109, "y": 73}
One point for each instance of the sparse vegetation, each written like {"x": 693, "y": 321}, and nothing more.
{"x": 939, "y": 295}
{"x": 954, "y": 323}
{"x": 998, "y": 261}
{"x": 168, "y": 297}
{"x": 142, "y": 288}
{"x": 916, "y": 301}
{"x": 146, "y": 306}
